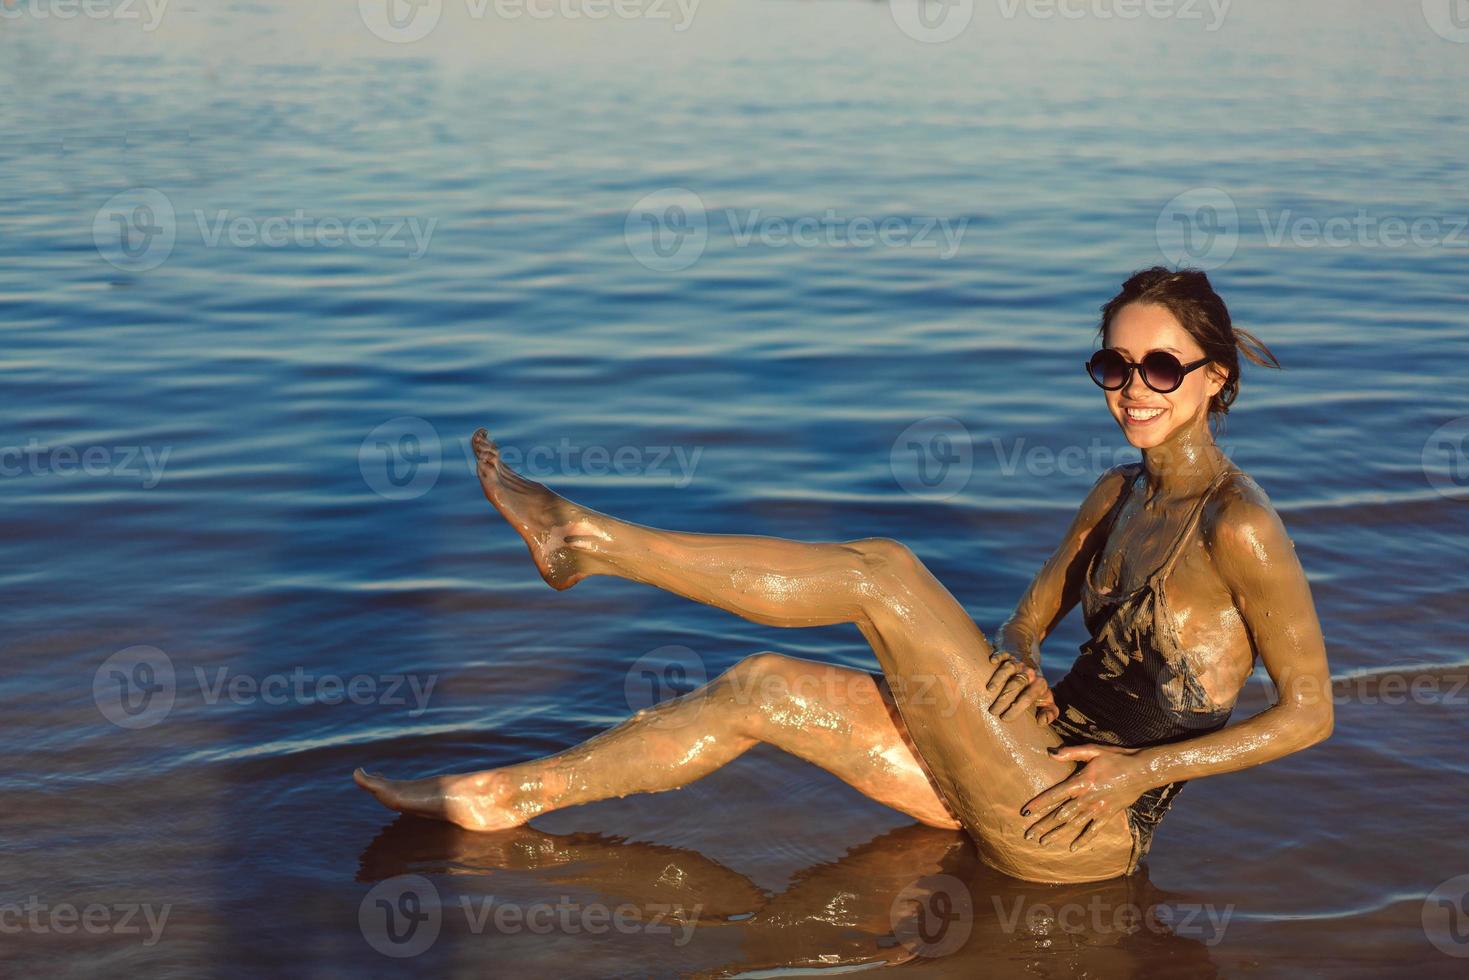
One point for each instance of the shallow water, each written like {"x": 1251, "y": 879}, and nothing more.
{"x": 230, "y": 508}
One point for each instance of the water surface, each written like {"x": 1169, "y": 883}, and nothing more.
{"x": 238, "y": 520}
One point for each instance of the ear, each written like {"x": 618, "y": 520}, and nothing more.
{"x": 1218, "y": 374}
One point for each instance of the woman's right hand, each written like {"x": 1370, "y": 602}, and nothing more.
{"x": 1017, "y": 686}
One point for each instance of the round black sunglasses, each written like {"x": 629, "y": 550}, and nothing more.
{"x": 1161, "y": 371}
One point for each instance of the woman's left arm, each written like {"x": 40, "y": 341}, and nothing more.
{"x": 1257, "y": 561}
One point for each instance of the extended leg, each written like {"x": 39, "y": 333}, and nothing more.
{"x": 835, "y": 717}
{"x": 934, "y": 657}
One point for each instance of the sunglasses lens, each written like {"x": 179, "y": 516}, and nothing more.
{"x": 1162, "y": 371}
{"x": 1108, "y": 369}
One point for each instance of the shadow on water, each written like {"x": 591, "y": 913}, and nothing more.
{"x": 914, "y": 895}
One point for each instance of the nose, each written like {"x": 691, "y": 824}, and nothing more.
{"x": 1135, "y": 389}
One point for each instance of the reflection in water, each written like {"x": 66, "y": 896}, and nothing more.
{"x": 915, "y": 894}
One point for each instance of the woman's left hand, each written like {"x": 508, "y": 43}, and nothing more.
{"x": 1076, "y": 809}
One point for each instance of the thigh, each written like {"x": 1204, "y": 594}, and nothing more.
{"x": 986, "y": 768}
{"x": 843, "y": 720}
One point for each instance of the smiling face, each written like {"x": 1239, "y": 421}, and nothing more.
{"x": 1148, "y": 418}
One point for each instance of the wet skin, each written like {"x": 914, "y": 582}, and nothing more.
{"x": 959, "y": 734}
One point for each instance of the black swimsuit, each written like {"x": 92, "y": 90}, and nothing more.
{"x": 1132, "y": 685}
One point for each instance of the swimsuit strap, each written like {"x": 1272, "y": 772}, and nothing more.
{"x": 1188, "y": 526}
{"x": 1174, "y": 550}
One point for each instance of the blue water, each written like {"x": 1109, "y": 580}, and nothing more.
{"x": 248, "y": 457}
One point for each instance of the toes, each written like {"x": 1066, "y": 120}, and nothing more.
{"x": 483, "y": 444}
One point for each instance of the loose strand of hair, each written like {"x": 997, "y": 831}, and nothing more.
{"x": 1254, "y": 349}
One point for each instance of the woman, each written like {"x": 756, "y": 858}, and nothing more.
{"x": 1053, "y": 786}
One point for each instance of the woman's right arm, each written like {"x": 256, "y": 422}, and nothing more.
{"x": 1056, "y": 588}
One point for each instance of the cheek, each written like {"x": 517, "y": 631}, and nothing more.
{"x": 1188, "y": 400}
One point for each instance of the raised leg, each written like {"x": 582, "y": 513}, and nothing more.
{"x": 836, "y": 717}
{"x": 935, "y": 658}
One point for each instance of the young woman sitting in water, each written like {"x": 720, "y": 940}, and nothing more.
{"x": 1183, "y": 569}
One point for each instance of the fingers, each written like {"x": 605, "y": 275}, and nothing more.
{"x": 1009, "y": 692}
{"x": 1015, "y": 686}
{"x": 1089, "y": 834}
{"x": 1005, "y": 668}
{"x": 1076, "y": 821}
{"x": 1052, "y": 827}
{"x": 1053, "y": 797}
{"x": 1076, "y": 753}
{"x": 1026, "y": 697}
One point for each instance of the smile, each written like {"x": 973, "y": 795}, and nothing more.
{"x": 1142, "y": 416}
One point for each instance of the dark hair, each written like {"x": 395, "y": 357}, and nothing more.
{"x": 1188, "y": 295}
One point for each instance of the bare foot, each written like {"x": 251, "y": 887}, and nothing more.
{"x": 478, "y": 801}
{"x": 554, "y": 528}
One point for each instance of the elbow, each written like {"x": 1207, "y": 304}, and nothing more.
{"x": 1317, "y": 725}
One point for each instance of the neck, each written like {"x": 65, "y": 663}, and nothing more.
{"x": 1186, "y": 462}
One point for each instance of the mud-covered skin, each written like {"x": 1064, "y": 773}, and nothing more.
{"x": 988, "y": 760}
{"x": 1235, "y": 591}
{"x": 978, "y": 770}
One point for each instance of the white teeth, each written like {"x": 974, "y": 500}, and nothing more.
{"x": 1142, "y": 414}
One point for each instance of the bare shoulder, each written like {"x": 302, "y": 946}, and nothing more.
{"x": 1243, "y": 530}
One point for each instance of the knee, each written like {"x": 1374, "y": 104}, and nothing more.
{"x": 755, "y": 672}
{"x": 756, "y": 684}
{"x": 885, "y": 554}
